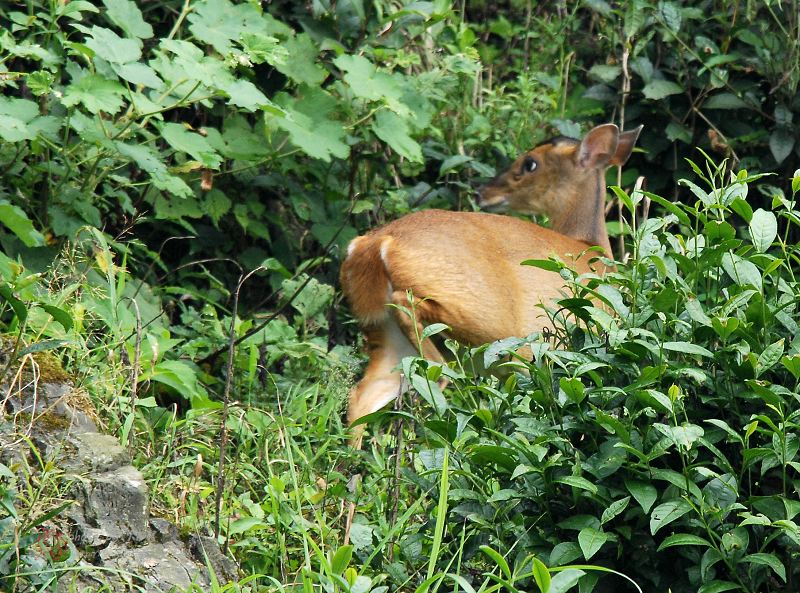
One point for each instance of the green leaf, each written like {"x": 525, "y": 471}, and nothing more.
{"x": 220, "y": 22}
{"x": 684, "y": 435}
{"x": 498, "y": 559}
{"x": 573, "y": 388}
{"x": 614, "y": 509}
{"x": 669, "y": 13}
{"x": 150, "y": 161}
{"x": 15, "y": 219}
{"x": 60, "y": 315}
{"x": 658, "y": 89}
{"x": 392, "y": 129}
{"x": 180, "y": 376}
{"x": 763, "y": 229}
{"x": 320, "y": 139}
{"x": 302, "y": 64}
{"x": 96, "y": 93}
{"x": 591, "y": 540}
{"x": 544, "y": 264}
{"x": 743, "y": 272}
{"x": 20, "y": 308}
{"x": 577, "y": 482}
{"x": 769, "y": 357}
{"x": 767, "y": 560}
{"x": 724, "y": 101}
{"x": 368, "y": 83}
{"x": 564, "y": 580}
{"x": 127, "y": 16}
{"x": 718, "y": 587}
{"x": 683, "y": 539}
{"x": 666, "y": 513}
{"x": 341, "y": 559}
{"x": 541, "y": 575}
{"x": 192, "y": 143}
{"x": 137, "y": 73}
{"x": 781, "y": 142}
{"x": 687, "y": 348}
{"x": 113, "y": 48}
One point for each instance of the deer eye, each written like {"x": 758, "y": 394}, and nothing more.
{"x": 529, "y": 165}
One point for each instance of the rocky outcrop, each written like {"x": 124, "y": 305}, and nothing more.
{"x": 105, "y": 540}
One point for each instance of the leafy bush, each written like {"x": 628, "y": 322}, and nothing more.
{"x": 659, "y": 435}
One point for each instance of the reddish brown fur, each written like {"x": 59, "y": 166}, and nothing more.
{"x": 463, "y": 268}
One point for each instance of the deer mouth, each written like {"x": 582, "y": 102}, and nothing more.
{"x": 494, "y": 204}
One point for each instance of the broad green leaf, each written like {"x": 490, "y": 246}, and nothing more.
{"x": 20, "y": 308}
{"x": 577, "y": 482}
{"x": 605, "y": 73}
{"x": 718, "y": 587}
{"x": 564, "y": 580}
{"x": 127, "y": 16}
{"x": 498, "y": 559}
{"x": 96, "y": 93}
{"x": 763, "y": 229}
{"x": 302, "y": 64}
{"x": 781, "y": 142}
{"x": 318, "y": 138}
{"x": 770, "y": 356}
{"x": 341, "y": 559}
{"x": 217, "y": 204}
{"x": 192, "y": 143}
{"x": 573, "y": 388}
{"x": 14, "y": 219}
{"x": 683, "y": 539}
{"x": 614, "y": 509}
{"x": 137, "y": 73}
{"x": 180, "y": 376}
{"x": 687, "y": 348}
{"x": 724, "y": 101}
{"x": 113, "y": 48}
{"x": 659, "y": 89}
{"x": 767, "y": 560}
{"x": 544, "y": 264}
{"x": 591, "y": 540}
{"x": 541, "y": 575}
{"x": 696, "y": 313}
{"x": 150, "y": 161}
{"x": 393, "y": 129}
{"x": 684, "y": 435}
{"x": 666, "y": 513}
{"x": 743, "y": 272}
{"x": 40, "y": 82}
{"x": 371, "y": 84}
{"x": 220, "y": 22}
{"x": 670, "y": 14}
{"x": 60, "y": 315}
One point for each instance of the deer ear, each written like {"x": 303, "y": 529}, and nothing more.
{"x": 598, "y": 147}
{"x": 627, "y": 140}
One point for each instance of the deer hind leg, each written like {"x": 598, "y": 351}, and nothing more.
{"x": 382, "y": 382}
{"x": 411, "y": 319}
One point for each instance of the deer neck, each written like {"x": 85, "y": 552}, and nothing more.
{"x": 585, "y": 220}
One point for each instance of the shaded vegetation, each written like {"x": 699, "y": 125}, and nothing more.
{"x": 177, "y": 175}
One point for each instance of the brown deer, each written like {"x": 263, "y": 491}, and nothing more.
{"x": 463, "y": 268}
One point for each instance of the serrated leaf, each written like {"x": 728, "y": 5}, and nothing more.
{"x": 15, "y": 220}
{"x": 684, "y": 435}
{"x": 763, "y": 229}
{"x": 687, "y": 348}
{"x": 96, "y": 93}
{"x": 683, "y": 539}
{"x": 770, "y": 356}
{"x": 659, "y": 89}
{"x": 220, "y": 22}
{"x": 113, "y": 48}
{"x": 393, "y": 129}
{"x": 591, "y": 540}
{"x": 192, "y": 143}
{"x": 127, "y": 16}
{"x": 578, "y": 482}
{"x": 217, "y": 204}
{"x": 767, "y": 560}
{"x": 666, "y": 513}
{"x": 302, "y": 66}
{"x": 138, "y": 74}
{"x": 371, "y": 84}
{"x": 148, "y": 160}
{"x": 670, "y": 15}
{"x": 743, "y": 272}
{"x": 614, "y": 509}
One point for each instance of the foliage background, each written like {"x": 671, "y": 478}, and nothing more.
{"x": 152, "y": 154}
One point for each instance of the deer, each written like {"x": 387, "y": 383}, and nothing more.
{"x": 463, "y": 268}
